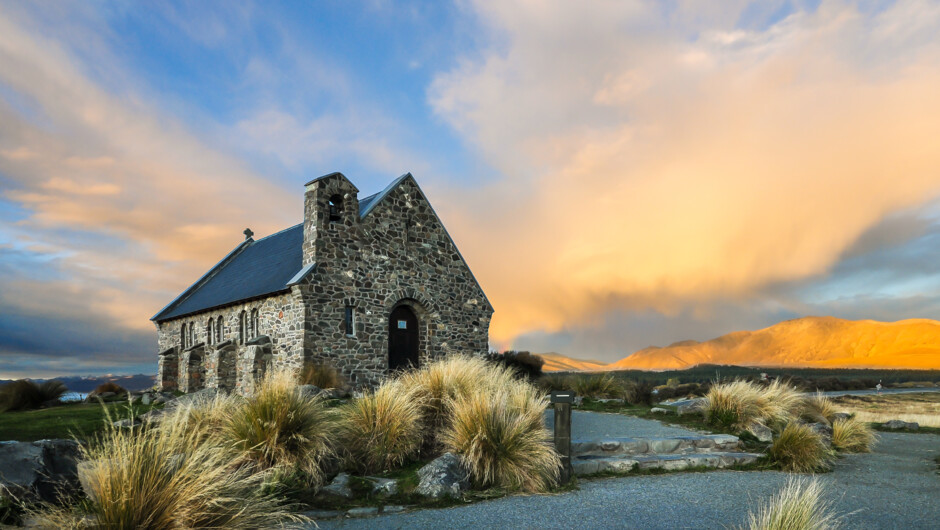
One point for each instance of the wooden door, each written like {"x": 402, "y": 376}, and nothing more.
{"x": 402, "y": 339}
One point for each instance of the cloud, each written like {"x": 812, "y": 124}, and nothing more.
{"x": 656, "y": 159}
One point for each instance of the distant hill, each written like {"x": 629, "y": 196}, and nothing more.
{"x": 89, "y": 382}
{"x": 556, "y": 362}
{"x": 818, "y": 342}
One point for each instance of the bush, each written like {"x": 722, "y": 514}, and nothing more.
{"x": 321, "y": 375}
{"x": 639, "y": 393}
{"x": 737, "y": 404}
{"x": 168, "y": 478}
{"x": 279, "y": 428}
{"x": 800, "y": 449}
{"x": 381, "y": 430}
{"x": 523, "y": 363}
{"x": 438, "y": 383}
{"x": 26, "y": 395}
{"x": 501, "y": 438}
{"x": 818, "y": 409}
{"x": 678, "y": 391}
{"x": 108, "y": 386}
{"x": 552, "y": 382}
{"x": 798, "y": 506}
{"x": 852, "y": 436}
{"x": 597, "y": 386}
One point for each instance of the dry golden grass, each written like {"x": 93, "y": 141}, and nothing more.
{"x": 279, "y": 428}
{"x": 501, "y": 438}
{"x": 818, "y": 409}
{"x": 321, "y": 375}
{"x": 799, "y": 505}
{"x": 173, "y": 477}
{"x": 852, "y": 436}
{"x": 740, "y": 403}
{"x": 799, "y": 449}
{"x": 919, "y": 407}
{"x": 597, "y": 386}
{"x": 381, "y": 430}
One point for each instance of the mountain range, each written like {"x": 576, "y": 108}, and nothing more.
{"x": 88, "y": 383}
{"x": 816, "y": 342}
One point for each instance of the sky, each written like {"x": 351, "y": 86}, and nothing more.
{"x": 617, "y": 174}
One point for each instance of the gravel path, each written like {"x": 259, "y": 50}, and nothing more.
{"x": 592, "y": 425}
{"x": 897, "y": 486}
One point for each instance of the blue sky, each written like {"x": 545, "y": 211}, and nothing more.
{"x": 617, "y": 174}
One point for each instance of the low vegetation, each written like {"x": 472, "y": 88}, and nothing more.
{"x": 852, "y": 436}
{"x": 800, "y": 449}
{"x": 739, "y": 404}
{"x": 922, "y": 408}
{"x": 523, "y": 363}
{"x": 28, "y": 395}
{"x": 321, "y": 375}
{"x": 818, "y": 409}
{"x": 799, "y": 505}
{"x": 80, "y": 420}
{"x": 108, "y": 386}
{"x": 381, "y": 430}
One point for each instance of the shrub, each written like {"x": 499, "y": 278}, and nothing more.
{"x": 797, "y": 506}
{"x": 501, "y": 438}
{"x": 678, "y": 391}
{"x": 168, "y": 478}
{"x": 639, "y": 393}
{"x": 597, "y": 386}
{"x": 523, "y": 363}
{"x": 436, "y": 384}
{"x": 321, "y": 375}
{"x": 25, "y": 394}
{"x": 550, "y": 382}
{"x": 852, "y": 436}
{"x": 109, "y": 386}
{"x": 800, "y": 449}
{"x": 818, "y": 409}
{"x": 381, "y": 430}
{"x": 279, "y": 428}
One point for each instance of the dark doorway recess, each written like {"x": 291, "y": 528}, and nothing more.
{"x": 402, "y": 339}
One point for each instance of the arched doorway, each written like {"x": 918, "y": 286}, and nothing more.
{"x": 402, "y": 338}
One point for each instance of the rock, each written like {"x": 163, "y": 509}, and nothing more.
{"x": 309, "y": 391}
{"x": 578, "y": 400}
{"x": 365, "y": 511}
{"x": 609, "y": 400}
{"x": 762, "y": 432}
{"x": 898, "y": 425}
{"x": 823, "y": 430}
{"x": 84, "y": 470}
{"x": 443, "y": 477}
{"x": 393, "y": 508}
{"x": 337, "y": 393}
{"x": 322, "y": 514}
{"x": 840, "y": 416}
{"x": 159, "y": 400}
{"x": 659, "y": 410}
{"x": 126, "y": 423}
{"x": 154, "y": 415}
{"x": 145, "y": 399}
{"x": 194, "y": 398}
{"x": 693, "y": 406}
{"x": 44, "y": 470}
{"x": 338, "y": 488}
{"x": 383, "y": 487}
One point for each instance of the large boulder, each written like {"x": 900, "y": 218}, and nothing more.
{"x": 44, "y": 470}
{"x": 338, "y": 488}
{"x": 900, "y": 425}
{"x": 194, "y": 398}
{"x": 443, "y": 477}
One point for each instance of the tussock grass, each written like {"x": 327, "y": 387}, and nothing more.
{"x": 381, "y": 430}
{"x": 438, "y": 383}
{"x": 550, "y": 382}
{"x": 852, "y": 436}
{"x": 799, "y": 449}
{"x": 279, "y": 428}
{"x": 818, "y": 409}
{"x": 597, "y": 386}
{"x": 323, "y": 376}
{"x": 799, "y": 505}
{"x": 501, "y": 438}
{"x": 25, "y": 394}
{"x": 168, "y": 478}
{"x": 737, "y": 404}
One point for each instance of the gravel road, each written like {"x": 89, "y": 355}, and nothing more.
{"x": 592, "y": 425}
{"x": 896, "y": 486}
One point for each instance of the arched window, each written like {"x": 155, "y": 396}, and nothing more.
{"x": 336, "y": 208}
{"x": 183, "y": 337}
{"x": 192, "y": 334}
{"x": 254, "y": 323}
{"x": 209, "y": 335}
{"x": 241, "y": 327}
{"x": 219, "y": 330}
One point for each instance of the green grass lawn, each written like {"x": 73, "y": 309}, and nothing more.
{"x": 81, "y": 420}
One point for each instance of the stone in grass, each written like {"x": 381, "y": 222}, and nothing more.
{"x": 393, "y": 508}
{"x": 659, "y": 410}
{"x": 899, "y": 425}
{"x": 840, "y": 416}
{"x": 43, "y": 470}
{"x": 762, "y": 432}
{"x": 824, "y": 431}
{"x": 364, "y": 511}
{"x": 309, "y": 391}
{"x": 126, "y": 423}
{"x": 338, "y": 488}
{"x": 443, "y": 477}
{"x": 383, "y": 487}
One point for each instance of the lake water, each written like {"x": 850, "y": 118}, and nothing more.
{"x": 74, "y": 396}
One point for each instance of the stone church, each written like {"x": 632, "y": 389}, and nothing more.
{"x": 369, "y": 286}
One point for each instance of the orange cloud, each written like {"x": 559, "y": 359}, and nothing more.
{"x": 652, "y": 161}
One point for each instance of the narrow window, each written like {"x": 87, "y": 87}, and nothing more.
{"x": 209, "y": 335}
{"x": 241, "y": 327}
{"x": 183, "y": 337}
{"x": 254, "y": 323}
{"x": 350, "y": 322}
{"x": 219, "y": 332}
{"x": 192, "y": 334}
{"x": 336, "y": 208}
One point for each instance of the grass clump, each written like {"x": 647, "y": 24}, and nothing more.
{"x": 819, "y": 409}
{"x": 738, "y": 404}
{"x": 852, "y": 436}
{"x": 799, "y": 505}
{"x": 279, "y": 428}
{"x": 27, "y": 395}
{"x": 597, "y": 386}
{"x": 800, "y": 449}
{"x": 381, "y": 430}
{"x": 167, "y": 478}
{"x": 322, "y": 376}
{"x": 501, "y": 438}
